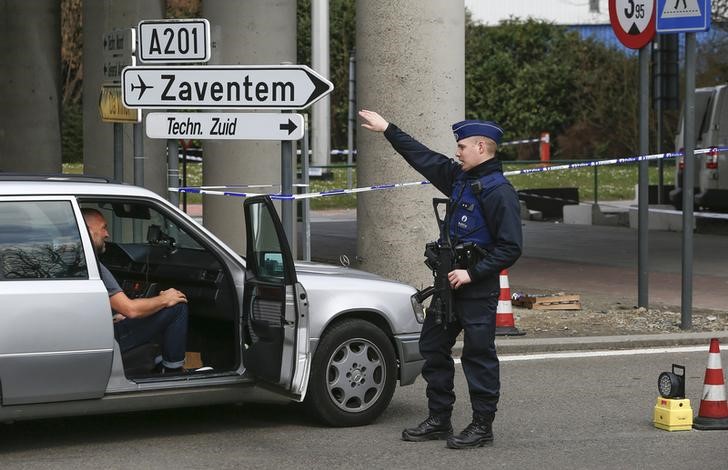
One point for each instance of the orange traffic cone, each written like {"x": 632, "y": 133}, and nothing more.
{"x": 504, "y": 323}
{"x": 713, "y": 412}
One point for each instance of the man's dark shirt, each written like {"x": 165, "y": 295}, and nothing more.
{"x": 500, "y": 207}
{"x": 112, "y": 286}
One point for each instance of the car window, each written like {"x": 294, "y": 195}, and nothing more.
{"x": 139, "y": 223}
{"x": 40, "y": 240}
{"x": 265, "y": 245}
{"x": 706, "y": 118}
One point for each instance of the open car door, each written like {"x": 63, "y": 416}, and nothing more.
{"x": 275, "y": 310}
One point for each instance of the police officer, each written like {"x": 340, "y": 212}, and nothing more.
{"x": 484, "y": 210}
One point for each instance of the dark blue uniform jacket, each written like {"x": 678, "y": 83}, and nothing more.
{"x": 501, "y": 210}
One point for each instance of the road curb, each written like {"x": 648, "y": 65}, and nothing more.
{"x": 523, "y": 344}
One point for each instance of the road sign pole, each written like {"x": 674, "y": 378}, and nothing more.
{"x": 689, "y": 18}
{"x": 306, "y": 212}
{"x": 138, "y": 172}
{"x": 118, "y": 167}
{"x": 287, "y": 188}
{"x": 686, "y": 304}
{"x": 658, "y": 97}
{"x": 351, "y": 120}
{"x": 184, "y": 175}
{"x": 173, "y": 170}
{"x": 643, "y": 199}
{"x": 138, "y": 155}
{"x": 118, "y": 151}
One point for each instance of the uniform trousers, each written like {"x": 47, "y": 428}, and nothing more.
{"x": 476, "y": 318}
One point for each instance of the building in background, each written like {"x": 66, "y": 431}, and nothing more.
{"x": 590, "y": 18}
{"x": 564, "y": 12}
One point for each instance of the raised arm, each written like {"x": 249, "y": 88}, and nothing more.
{"x": 373, "y": 121}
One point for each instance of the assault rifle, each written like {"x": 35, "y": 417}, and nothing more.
{"x": 440, "y": 258}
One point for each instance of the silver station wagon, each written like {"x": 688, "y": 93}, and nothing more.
{"x": 261, "y": 328}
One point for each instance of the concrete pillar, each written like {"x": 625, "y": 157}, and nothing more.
{"x": 321, "y": 110}
{"x": 248, "y": 32}
{"x": 30, "y": 54}
{"x": 410, "y": 69}
{"x": 98, "y": 136}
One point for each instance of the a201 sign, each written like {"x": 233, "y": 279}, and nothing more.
{"x": 177, "y": 41}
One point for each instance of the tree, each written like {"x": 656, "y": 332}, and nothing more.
{"x": 342, "y": 33}
{"x": 607, "y": 103}
{"x": 712, "y": 67}
{"x": 71, "y": 47}
{"x": 72, "y": 80}
{"x": 719, "y": 13}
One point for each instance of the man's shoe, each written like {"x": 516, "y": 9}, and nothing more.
{"x": 476, "y": 434}
{"x": 431, "y": 429}
{"x": 173, "y": 371}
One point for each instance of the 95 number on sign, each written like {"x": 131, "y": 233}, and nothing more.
{"x": 634, "y": 10}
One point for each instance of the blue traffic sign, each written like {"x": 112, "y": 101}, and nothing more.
{"x": 683, "y": 16}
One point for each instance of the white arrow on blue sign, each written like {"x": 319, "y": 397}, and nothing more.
{"x": 682, "y": 16}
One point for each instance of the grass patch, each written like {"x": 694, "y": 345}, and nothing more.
{"x": 338, "y": 181}
{"x": 615, "y": 182}
{"x": 73, "y": 168}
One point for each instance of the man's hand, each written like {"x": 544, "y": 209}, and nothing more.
{"x": 458, "y": 278}
{"x": 144, "y": 306}
{"x": 172, "y": 297}
{"x": 373, "y": 121}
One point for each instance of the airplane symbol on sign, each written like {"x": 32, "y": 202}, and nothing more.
{"x": 141, "y": 85}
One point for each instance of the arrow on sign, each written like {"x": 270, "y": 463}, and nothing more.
{"x": 290, "y": 127}
{"x": 229, "y": 86}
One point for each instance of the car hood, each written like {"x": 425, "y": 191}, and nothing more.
{"x": 305, "y": 267}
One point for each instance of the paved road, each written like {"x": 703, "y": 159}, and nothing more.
{"x": 597, "y": 260}
{"x": 573, "y": 413}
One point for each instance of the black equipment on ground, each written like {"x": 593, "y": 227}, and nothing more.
{"x": 671, "y": 384}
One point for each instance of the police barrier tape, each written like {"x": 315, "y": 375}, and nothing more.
{"x": 526, "y": 171}
{"x": 519, "y": 142}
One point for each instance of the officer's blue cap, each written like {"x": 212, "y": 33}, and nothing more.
{"x": 473, "y": 127}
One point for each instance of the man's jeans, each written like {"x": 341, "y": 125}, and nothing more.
{"x": 168, "y": 327}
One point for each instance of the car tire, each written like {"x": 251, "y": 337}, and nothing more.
{"x": 353, "y": 375}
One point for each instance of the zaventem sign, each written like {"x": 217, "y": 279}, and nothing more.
{"x": 232, "y": 86}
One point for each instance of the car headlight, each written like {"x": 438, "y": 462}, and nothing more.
{"x": 418, "y": 309}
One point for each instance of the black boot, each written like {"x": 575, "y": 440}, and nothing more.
{"x": 432, "y": 428}
{"x": 476, "y": 434}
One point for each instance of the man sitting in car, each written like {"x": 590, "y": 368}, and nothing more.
{"x": 161, "y": 319}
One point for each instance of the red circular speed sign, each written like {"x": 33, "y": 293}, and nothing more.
{"x": 633, "y": 21}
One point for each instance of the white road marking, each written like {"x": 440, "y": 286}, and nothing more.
{"x": 600, "y": 353}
